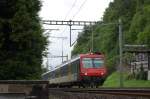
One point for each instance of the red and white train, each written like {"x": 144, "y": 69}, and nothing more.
{"x": 84, "y": 70}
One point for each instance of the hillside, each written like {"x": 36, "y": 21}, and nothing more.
{"x": 113, "y": 81}
{"x": 135, "y": 16}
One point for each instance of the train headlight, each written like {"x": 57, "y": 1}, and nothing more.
{"x": 102, "y": 73}
{"x": 85, "y": 73}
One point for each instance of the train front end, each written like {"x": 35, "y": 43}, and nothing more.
{"x": 92, "y": 69}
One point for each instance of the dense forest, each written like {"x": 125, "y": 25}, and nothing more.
{"x": 135, "y": 16}
{"x": 21, "y": 40}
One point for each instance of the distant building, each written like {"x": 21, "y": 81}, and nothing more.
{"x": 140, "y": 61}
{"x": 140, "y": 58}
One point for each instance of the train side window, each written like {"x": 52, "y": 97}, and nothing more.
{"x": 61, "y": 71}
{"x": 52, "y": 75}
{"x": 57, "y": 73}
{"x": 74, "y": 66}
{"x": 64, "y": 70}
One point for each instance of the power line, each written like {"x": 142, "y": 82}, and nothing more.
{"x": 69, "y": 23}
{"x": 70, "y": 9}
{"x": 58, "y": 37}
{"x": 69, "y": 13}
{"x": 76, "y": 12}
{"x": 79, "y": 9}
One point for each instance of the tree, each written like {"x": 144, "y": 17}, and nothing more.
{"x": 135, "y": 15}
{"x": 21, "y": 40}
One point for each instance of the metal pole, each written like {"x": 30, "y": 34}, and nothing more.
{"x": 92, "y": 40}
{"x": 67, "y": 57}
{"x": 148, "y": 60}
{"x": 70, "y": 35}
{"x": 70, "y": 31}
{"x": 120, "y": 53}
{"x": 47, "y": 63}
{"x": 62, "y": 51}
{"x": 148, "y": 66}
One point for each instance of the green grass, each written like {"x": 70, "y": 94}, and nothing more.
{"x": 113, "y": 81}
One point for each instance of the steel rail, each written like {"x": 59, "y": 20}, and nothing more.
{"x": 145, "y": 92}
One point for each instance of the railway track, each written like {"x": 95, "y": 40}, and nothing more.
{"x": 136, "y": 93}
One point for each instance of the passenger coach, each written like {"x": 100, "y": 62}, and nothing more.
{"x": 84, "y": 70}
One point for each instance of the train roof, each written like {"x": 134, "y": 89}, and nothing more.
{"x": 91, "y": 54}
{"x": 69, "y": 61}
{"x": 77, "y": 57}
{"x": 63, "y": 64}
{"x": 73, "y": 59}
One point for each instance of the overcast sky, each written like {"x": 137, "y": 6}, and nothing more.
{"x": 81, "y": 10}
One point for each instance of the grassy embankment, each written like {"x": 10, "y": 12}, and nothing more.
{"x": 113, "y": 81}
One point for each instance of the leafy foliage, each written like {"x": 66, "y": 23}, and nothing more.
{"x": 113, "y": 81}
{"x": 21, "y": 40}
{"x": 135, "y": 16}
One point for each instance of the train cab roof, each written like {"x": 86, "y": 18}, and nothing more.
{"x": 96, "y": 54}
{"x": 92, "y": 54}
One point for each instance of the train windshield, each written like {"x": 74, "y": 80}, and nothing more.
{"x": 92, "y": 62}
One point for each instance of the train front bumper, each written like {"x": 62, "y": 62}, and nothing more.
{"x": 90, "y": 79}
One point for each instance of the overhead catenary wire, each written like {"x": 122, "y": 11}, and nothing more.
{"x": 74, "y": 17}
{"x": 76, "y": 12}
{"x": 80, "y": 8}
{"x": 73, "y": 5}
{"x": 68, "y": 15}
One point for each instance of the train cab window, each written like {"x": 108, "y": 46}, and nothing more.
{"x": 92, "y": 62}
{"x": 87, "y": 63}
{"x": 97, "y": 62}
